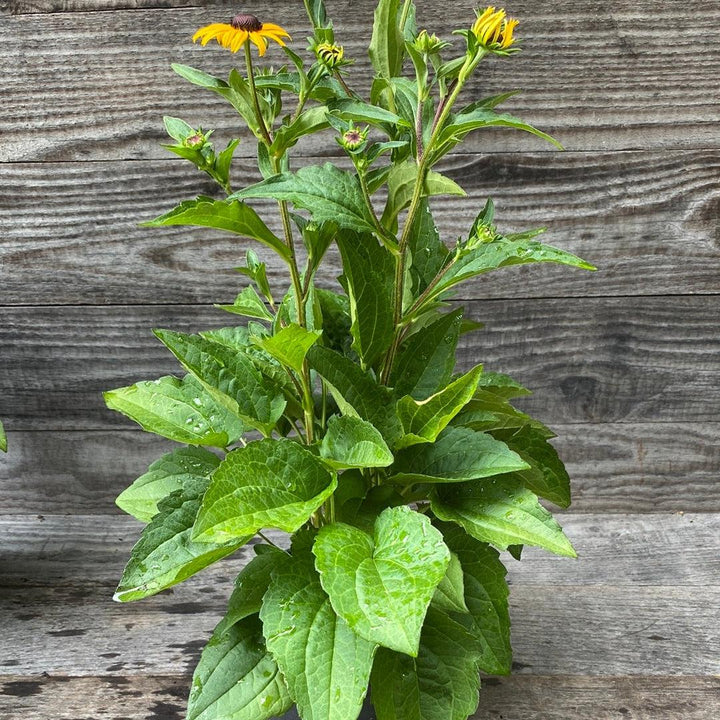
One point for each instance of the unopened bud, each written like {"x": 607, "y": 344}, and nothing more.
{"x": 330, "y": 55}
{"x": 353, "y": 139}
{"x": 428, "y": 44}
{"x": 195, "y": 141}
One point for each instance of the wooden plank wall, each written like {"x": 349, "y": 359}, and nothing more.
{"x": 624, "y": 362}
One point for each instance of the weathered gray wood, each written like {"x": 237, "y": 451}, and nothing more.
{"x": 585, "y": 630}
{"x": 620, "y": 550}
{"x": 72, "y": 235}
{"x": 615, "y": 467}
{"x": 591, "y": 360}
{"x": 520, "y": 697}
{"x": 599, "y": 76}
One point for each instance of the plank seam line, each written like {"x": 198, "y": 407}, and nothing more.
{"x": 660, "y": 150}
{"x": 454, "y": 300}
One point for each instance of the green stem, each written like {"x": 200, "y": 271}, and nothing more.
{"x": 308, "y": 404}
{"x": 418, "y": 193}
{"x": 428, "y": 290}
{"x": 382, "y": 233}
{"x": 256, "y": 102}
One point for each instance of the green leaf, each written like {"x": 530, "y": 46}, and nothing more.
{"x": 480, "y": 117}
{"x": 450, "y": 593}
{"x": 310, "y": 121}
{"x": 369, "y": 273}
{"x": 249, "y": 304}
{"x": 354, "y": 443}
{"x": 502, "y": 385}
{"x": 251, "y": 584}
{"x": 486, "y": 597}
{"x": 165, "y": 554}
{"x": 440, "y": 684}
{"x": 290, "y": 345}
{"x": 499, "y": 253}
{"x": 382, "y": 585}
{"x": 426, "y": 359}
{"x": 489, "y": 411}
{"x": 328, "y": 193}
{"x": 187, "y": 469}
{"x": 336, "y": 322}
{"x": 230, "y": 215}
{"x": 256, "y": 271}
{"x": 237, "y": 679}
{"x": 326, "y": 665}
{"x": 401, "y": 187}
{"x": 223, "y": 162}
{"x": 387, "y": 44}
{"x": 237, "y": 92}
{"x": 547, "y": 476}
{"x": 231, "y": 376}
{"x": 501, "y": 512}
{"x": 317, "y": 13}
{"x": 429, "y": 253}
{"x": 424, "y": 420}
{"x": 458, "y": 454}
{"x": 178, "y": 129}
{"x": 3, "y": 438}
{"x": 180, "y": 410}
{"x": 362, "y": 112}
{"x": 268, "y": 483}
{"x": 356, "y": 392}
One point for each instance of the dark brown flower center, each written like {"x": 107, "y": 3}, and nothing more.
{"x": 246, "y": 22}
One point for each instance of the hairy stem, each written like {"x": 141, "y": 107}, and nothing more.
{"x": 256, "y": 102}
{"x": 307, "y": 396}
{"x": 418, "y": 193}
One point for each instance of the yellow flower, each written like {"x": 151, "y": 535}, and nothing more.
{"x": 494, "y": 29}
{"x": 241, "y": 29}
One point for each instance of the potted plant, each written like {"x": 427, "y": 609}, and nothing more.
{"x": 338, "y": 416}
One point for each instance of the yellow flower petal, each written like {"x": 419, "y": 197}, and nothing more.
{"x": 259, "y": 42}
{"x": 274, "y": 29}
{"x": 239, "y": 39}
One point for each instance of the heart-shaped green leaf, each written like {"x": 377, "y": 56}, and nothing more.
{"x": 382, "y": 585}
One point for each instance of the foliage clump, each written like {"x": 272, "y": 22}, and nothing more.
{"x": 339, "y": 416}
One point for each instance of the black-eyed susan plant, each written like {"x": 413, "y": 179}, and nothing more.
{"x": 339, "y": 416}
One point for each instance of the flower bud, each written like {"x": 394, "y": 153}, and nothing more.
{"x": 354, "y": 139}
{"x": 194, "y": 141}
{"x": 330, "y": 55}
{"x": 493, "y": 29}
{"x": 428, "y": 44}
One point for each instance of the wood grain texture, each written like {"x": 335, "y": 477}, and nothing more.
{"x": 521, "y": 697}
{"x": 635, "y": 608}
{"x": 615, "y": 467}
{"x": 649, "y": 221}
{"x": 590, "y": 360}
{"x": 598, "y": 76}
{"x": 621, "y": 550}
